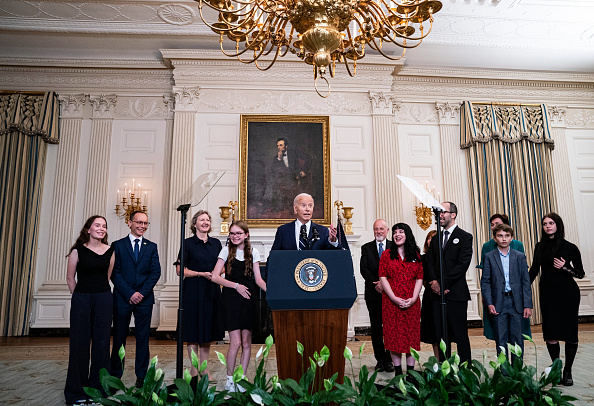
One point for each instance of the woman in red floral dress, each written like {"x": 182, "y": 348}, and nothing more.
{"x": 401, "y": 276}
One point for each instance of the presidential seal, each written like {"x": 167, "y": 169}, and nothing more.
{"x": 311, "y": 274}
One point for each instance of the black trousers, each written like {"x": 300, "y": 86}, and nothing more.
{"x": 142, "y": 329}
{"x": 374, "y": 307}
{"x": 90, "y": 328}
{"x": 456, "y": 313}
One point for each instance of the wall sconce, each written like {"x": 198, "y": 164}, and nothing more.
{"x": 130, "y": 201}
{"x": 347, "y": 213}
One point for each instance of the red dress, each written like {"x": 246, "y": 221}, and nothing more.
{"x": 402, "y": 327}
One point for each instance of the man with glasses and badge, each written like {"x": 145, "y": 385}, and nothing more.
{"x": 135, "y": 274}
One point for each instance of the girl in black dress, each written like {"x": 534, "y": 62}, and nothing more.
{"x": 242, "y": 273}
{"x": 559, "y": 262}
{"x": 201, "y": 298}
{"x": 91, "y": 261}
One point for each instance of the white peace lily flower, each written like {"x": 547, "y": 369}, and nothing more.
{"x": 547, "y": 371}
{"x": 259, "y": 353}
{"x": 435, "y": 368}
{"x": 257, "y": 398}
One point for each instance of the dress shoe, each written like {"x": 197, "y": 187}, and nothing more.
{"x": 389, "y": 366}
{"x": 380, "y": 367}
{"x": 397, "y": 370}
{"x": 567, "y": 379}
{"x": 139, "y": 382}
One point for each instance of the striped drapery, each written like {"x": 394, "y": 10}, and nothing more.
{"x": 509, "y": 165}
{"x": 27, "y": 123}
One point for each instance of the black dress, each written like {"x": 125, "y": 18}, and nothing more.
{"x": 90, "y": 323}
{"x": 201, "y": 297}
{"x": 428, "y": 334}
{"x": 559, "y": 293}
{"x": 238, "y": 312}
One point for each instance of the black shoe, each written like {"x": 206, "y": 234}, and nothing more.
{"x": 397, "y": 370}
{"x": 389, "y": 366}
{"x": 139, "y": 382}
{"x": 567, "y": 379}
{"x": 380, "y": 367}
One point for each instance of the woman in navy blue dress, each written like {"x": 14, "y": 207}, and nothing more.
{"x": 201, "y": 297}
{"x": 91, "y": 261}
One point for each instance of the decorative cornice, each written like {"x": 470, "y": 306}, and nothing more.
{"x": 557, "y": 115}
{"x": 169, "y": 102}
{"x": 448, "y": 113}
{"x": 71, "y": 105}
{"x": 415, "y": 113}
{"x": 141, "y": 107}
{"x": 580, "y": 118}
{"x": 103, "y": 105}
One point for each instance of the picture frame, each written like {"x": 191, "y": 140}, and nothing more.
{"x": 268, "y": 183}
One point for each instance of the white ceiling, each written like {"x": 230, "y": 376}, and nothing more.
{"x": 550, "y": 35}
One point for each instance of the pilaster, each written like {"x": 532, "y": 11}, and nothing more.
{"x": 52, "y": 301}
{"x": 182, "y": 163}
{"x": 386, "y": 158}
{"x": 98, "y": 165}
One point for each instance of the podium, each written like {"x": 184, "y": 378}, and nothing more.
{"x": 310, "y": 294}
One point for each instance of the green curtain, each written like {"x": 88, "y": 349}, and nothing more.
{"x": 28, "y": 122}
{"x": 508, "y": 149}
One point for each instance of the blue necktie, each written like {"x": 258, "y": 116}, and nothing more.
{"x": 381, "y": 249}
{"x": 136, "y": 249}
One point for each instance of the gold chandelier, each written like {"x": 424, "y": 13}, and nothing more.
{"x": 319, "y": 32}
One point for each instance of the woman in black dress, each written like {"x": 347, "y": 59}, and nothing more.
{"x": 241, "y": 265}
{"x": 428, "y": 334}
{"x": 559, "y": 262}
{"x": 91, "y": 260}
{"x": 201, "y": 297}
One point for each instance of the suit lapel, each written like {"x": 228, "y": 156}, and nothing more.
{"x": 128, "y": 244}
{"x": 498, "y": 261}
{"x": 293, "y": 241}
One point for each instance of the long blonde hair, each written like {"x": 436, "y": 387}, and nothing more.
{"x": 247, "y": 250}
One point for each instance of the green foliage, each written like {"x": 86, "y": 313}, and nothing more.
{"x": 438, "y": 383}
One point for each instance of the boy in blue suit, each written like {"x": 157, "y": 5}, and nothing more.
{"x": 135, "y": 274}
{"x": 506, "y": 289}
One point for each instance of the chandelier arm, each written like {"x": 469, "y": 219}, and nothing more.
{"x": 379, "y": 49}
{"x": 271, "y": 63}
{"x": 346, "y": 63}
{"x": 420, "y": 39}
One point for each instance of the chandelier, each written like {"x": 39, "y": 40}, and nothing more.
{"x": 320, "y": 32}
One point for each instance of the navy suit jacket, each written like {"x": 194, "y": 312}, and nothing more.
{"x": 493, "y": 280}
{"x": 130, "y": 276}
{"x": 285, "y": 238}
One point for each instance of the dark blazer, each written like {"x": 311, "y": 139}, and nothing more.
{"x": 130, "y": 276}
{"x": 493, "y": 280}
{"x": 285, "y": 238}
{"x": 457, "y": 255}
{"x": 370, "y": 268}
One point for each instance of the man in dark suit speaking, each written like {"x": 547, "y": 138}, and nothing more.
{"x": 135, "y": 273}
{"x": 457, "y": 253}
{"x": 304, "y": 234}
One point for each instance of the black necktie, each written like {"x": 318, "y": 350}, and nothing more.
{"x": 136, "y": 249}
{"x": 445, "y": 238}
{"x": 302, "y": 238}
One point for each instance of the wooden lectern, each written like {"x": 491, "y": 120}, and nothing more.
{"x": 310, "y": 294}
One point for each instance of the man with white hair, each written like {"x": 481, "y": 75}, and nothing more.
{"x": 304, "y": 234}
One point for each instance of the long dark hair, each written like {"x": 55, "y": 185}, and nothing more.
{"x": 548, "y": 246}
{"x": 247, "y": 250}
{"x": 411, "y": 250}
{"x": 428, "y": 239}
{"x": 84, "y": 236}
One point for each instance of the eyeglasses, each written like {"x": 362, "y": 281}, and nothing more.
{"x": 141, "y": 223}
{"x": 444, "y": 212}
{"x": 234, "y": 234}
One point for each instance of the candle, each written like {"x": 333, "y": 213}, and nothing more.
{"x": 438, "y": 198}
{"x": 118, "y": 199}
{"x": 139, "y": 188}
{"x": 133, "y": 186}
{"x": 145, "y": 199}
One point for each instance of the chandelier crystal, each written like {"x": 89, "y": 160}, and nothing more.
{"x": 319, "y": 32}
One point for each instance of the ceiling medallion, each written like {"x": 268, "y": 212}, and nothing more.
{"x": 176, "y": 14}
{"x": 320, "y": 32}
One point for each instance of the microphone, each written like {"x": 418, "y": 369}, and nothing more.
{"x": 315, "y": 235}
{"x": 303, "y": 236}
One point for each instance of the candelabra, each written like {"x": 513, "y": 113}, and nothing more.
{"x": 347, "y": 213}
{"x": 225, "y": 214}
{"x": 130, "y": 201}
{"x": 425, "y": 214}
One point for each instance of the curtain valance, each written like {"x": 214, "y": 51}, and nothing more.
{"x": 485, "y": 122}
{"x": 33, "y": 115}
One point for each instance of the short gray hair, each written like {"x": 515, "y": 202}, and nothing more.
{"x": 301, "y": 195}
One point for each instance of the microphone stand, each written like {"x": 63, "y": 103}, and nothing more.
{"x": 183, "y": 209}
{"x": 444, "y": 324}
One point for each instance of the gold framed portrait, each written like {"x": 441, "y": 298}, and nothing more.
{"x": 280, "y": 157}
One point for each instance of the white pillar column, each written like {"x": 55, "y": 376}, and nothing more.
{"x": 52, "y": 301}
{"x": 182, "y": 165}
{"x": 388, "y": 193}
{"x": 98, "y": 165}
